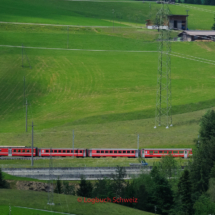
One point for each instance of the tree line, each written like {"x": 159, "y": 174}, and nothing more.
{"x": 167, "y": 189}
{"x": 203, "y": 2}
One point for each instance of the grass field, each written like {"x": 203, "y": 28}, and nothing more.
{"x": 63, "y": 203}
{"x": 107, "y": 97}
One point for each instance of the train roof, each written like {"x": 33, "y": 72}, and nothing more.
{"x": 63, "y": 148}
{"x": 13, "y": 146}
{"x": 109, "y": 149}
{"x": 166, "y": 149}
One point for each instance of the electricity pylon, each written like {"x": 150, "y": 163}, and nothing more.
{"x": 163, "y": 97}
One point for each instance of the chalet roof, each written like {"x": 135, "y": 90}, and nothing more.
{"x": 198, "y": 33}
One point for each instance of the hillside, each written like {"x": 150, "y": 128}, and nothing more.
{"x": 100, "y": 82}
{"x": 63, "y": 203}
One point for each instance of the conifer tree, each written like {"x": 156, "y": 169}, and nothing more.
{"x": 58, "y": 188}
{"x": 85, "y": 188}
{"x": 3, "y": 183}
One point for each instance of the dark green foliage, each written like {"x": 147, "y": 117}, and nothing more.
{"x": 68, "y": 189}
{"x": 185, "y": 192}
{"x": 3, "y": 183}
{"x": 212, "y": 173}
{"x": 58, "y": 188}
{"x": 213, "y": 27}
{"x": 85, "y": 188}
{"x": 118, "y": 181}
{"x": 204, "y": 157}
{"x": 204, "y": 206}
{"x": 162, "y": 193}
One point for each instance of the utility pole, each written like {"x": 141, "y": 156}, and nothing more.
{"x": 32, "y": 146}
{"x": 138, "y": 141}
{"x": 113, "y": 18}
{"x": 67, "y": 37}
{"x": 163, "y": 98}
{"x": 24, "y": 90}
{"x": 51, "y": 187}
{"x": 73, "y": 139}
{"x": 187, "y": 19}
{"x": 22, "y": 55}
{"x": 26, "y": 116}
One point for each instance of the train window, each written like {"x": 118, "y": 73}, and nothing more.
{"x": 181, "y": 152}
{"x": 47, "y": 150}
{"x": 28, "y": 150}
{"x": 76, "y": 151}
{"x": 80, "y": 151}
{"x": 185, "y": 152}
{"x": 175, "y": 152}
{"x": 14, "y": 150}
{"x": 68, "y": 151}
{"x": 97, "y": 151}
{"x": 102, "y": 151}
{"x": 115, "y": 152}
{"x": 51, "y": 151}
{"x": 128, "y": 151}
{"x": 160, "y": 152}
{"x": 64, "y": 151}
{"x": 151, "y": 152}
{"x": 59, "y": 150}
{"x": 55, "y": 151}
{"x": 19, "y": 150}
{"x": 106, "y": 151}
{"x": 23, "y": 150}
{"x": 120, "y": 152}
{"x": 155, "y": 152}
{"x": 165, "y": 152}
{"x": 124, "y": 151}
{"x": 111, "y": 151}
{"x": 132, "y": 151}
{"x": 71, "y": 151}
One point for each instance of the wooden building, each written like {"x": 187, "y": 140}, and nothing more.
{"x": 178, "y": 22}
{"x": 197, "y": 35}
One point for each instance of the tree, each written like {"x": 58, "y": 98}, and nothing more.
{"x": 118, "y": 180}
{"x": 68, "y": 189}
{"x": 3, "y": 183}
{"x": 162, "y": 193}
{"x": 185, "y": 191}
{"x": 204, "y": 157}
{"x": 85, "y": 188}
{"x": 58, "y": 188}
{"x": 213, "y": 27}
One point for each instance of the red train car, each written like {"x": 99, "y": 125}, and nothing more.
{"x": 158, "y": 153}
{"x": 62, "y": 152}
{"x": 97, "y": 153}
{"x": 22, "y": 151}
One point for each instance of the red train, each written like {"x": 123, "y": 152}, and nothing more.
{"x": 23, "y": 151}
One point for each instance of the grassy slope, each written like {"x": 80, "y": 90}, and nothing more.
{"x": 82, "y": 88}
{"x": 63, "y": 203}
{"x": 96, "y": 13}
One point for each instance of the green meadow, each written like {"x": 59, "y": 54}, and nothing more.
{"x": 63, "y": 203}
{"x": 99, "y": 82}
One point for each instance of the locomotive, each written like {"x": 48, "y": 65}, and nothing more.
{"x": 23, "y": 151}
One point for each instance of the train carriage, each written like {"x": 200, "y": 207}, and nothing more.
{"x": 12, "y": 151}
{"x": 98, "y": 152}
{"x": 62, "y": 152}
{"x": 159, "y": 152}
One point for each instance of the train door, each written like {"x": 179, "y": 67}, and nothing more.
{"x": 143, "y": 153}
{"x": 185, "y": 154}
{"x": 9, "y": 152}
{"x": 90, "y": 153}
{"x": 39, "y": 150}
{"x": 136, "y": 153}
